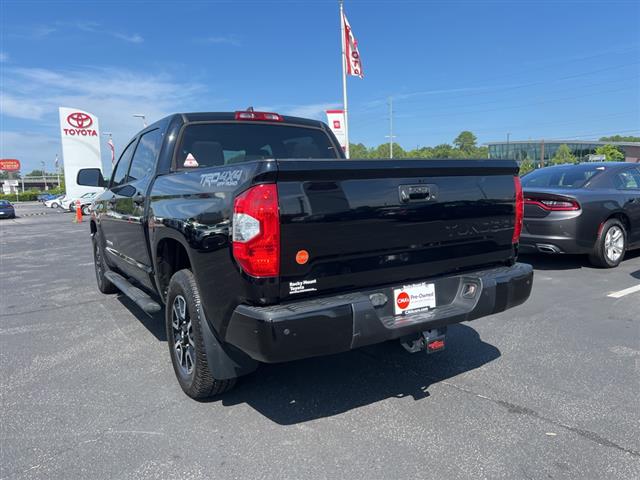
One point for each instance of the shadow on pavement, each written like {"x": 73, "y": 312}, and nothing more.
{"x": 154, "y": 323}
{"x": 566, "y": 262}
{"x": 296, "y": 392}
{"x": 304, "y": 390}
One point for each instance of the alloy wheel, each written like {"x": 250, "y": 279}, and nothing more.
{"x": 614, "y": 243}
{"x": 183, "y": 344}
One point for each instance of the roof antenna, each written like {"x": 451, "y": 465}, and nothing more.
{"x": 250, "y": 109}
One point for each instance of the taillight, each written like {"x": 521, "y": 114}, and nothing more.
{"x": 256, "y": 231}
{"x": 259, "y": 116}
{"x": 517, "y": 228}
{"x": 552, "y": 203}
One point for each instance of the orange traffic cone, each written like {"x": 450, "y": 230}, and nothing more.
{"x": 78, "y": 213}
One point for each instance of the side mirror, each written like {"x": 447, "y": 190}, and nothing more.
{"x": 90, "y": 177}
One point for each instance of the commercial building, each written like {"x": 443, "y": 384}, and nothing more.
{"x": 542, "y": 151}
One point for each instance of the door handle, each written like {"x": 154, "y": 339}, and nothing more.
{"x": 138, "y": 198}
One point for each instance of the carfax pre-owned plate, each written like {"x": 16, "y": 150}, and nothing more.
{"x": 413, "y": 298}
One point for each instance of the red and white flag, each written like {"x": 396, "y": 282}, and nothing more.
{"x": 112, "y": 147}
{"x": 354, "y": 64}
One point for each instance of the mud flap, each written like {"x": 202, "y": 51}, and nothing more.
{"x": 228, "y": 360}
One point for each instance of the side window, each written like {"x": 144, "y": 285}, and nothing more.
{"x": 628, "y": 179}
{"x": 120, "y": 172}
{"x": 144, "y": 159}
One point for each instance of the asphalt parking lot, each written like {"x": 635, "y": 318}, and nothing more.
{"x": 547, "y": 390}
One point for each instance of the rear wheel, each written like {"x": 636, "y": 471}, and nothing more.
{"x": 55, "y": 205}
{"x": 611, "y": 244}
{"x": 104, "y": 285}
{"x": 183, "y": 319}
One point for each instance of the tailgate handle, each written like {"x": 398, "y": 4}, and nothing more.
{"x": 413, "y": 193}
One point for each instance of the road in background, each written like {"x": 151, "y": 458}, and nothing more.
{"x": 547, "y": 390}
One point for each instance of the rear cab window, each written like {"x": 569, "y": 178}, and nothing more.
{"x": 220, "y": 144}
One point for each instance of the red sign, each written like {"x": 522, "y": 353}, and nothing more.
{"x": 80, "y": 122}
{"x": 10, "y": 164}
{"x": 403, "y": 300}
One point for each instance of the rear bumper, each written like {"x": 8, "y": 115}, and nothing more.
{"x": 558, "y": 232}
{"x": 343, "y": 322}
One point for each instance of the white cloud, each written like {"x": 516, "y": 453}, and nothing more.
{"x": 4, "y": 57}
{"x": 110, "y": 93}
{"x": 134, "y": 38}
{"x": 223, "y": 39}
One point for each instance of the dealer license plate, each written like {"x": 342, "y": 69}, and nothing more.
{"x": 413, "y": 298}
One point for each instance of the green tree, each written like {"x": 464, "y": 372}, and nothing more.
{"x": 383, "y": 151}
{"x": 35, "y": 173}
{"x": 620, "y": 138}
{"x": 444, "y": 150}
{"x": 526, "y": 166}
{"x": 611, "y": 153}
{"x": 466, "y": 141}
{"x": 563, "y": 155}
{"x": 358, "y": 150}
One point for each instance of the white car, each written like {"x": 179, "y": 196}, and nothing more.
{"x": 85, "y": 200}
{"x": 54, "y": 202}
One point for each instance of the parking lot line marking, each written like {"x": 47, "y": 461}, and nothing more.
{"x": 626, "y": 291}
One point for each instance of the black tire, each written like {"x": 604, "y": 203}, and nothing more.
{"x": 611, "y": 245}
{"x": 85, "y": 210}
{"x": 104, "y": 285}
{"x": 185, "y": 339}
{"x": 54, "y": 205}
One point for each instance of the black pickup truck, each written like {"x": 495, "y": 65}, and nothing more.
{"x": 265, "y": 244}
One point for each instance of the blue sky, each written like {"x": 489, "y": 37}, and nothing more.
{"x": 551, "y": 69}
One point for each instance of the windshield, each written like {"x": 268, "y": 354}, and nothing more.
{"x": 569, "y": 176}
{"x": 217, "y": 144}
{"x": 4, "y": 203}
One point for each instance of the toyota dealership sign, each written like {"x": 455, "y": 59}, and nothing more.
{"x": 80, "y": 146}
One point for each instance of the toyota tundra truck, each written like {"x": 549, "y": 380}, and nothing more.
{"x": 263, "y": 243}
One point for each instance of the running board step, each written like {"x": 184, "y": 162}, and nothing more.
{"x": 140, "y": 298}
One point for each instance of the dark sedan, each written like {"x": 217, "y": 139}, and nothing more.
{"x": 590, "y": 208}
{"x": 6, "y": 209}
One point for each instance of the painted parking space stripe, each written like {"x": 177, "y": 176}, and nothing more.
{"x": 626, "y": 291}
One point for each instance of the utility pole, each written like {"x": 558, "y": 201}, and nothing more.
{"x": 391, "y": 136}
{"x": 44, "y": 179}
{"x": 508, "y": 135}
{"x": 57, "y": 170}
{"x": 542, "y": 153}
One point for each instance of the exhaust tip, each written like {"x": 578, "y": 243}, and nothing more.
{"x": 547, "y": 248}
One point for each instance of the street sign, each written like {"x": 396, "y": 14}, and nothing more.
{"x": 10, "y": 164}
{"x": 596, "y": 158}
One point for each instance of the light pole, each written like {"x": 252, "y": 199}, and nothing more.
{"x": 143, "y": 117}
{"x": 508, "y": 135}
{"x": 391, "y": 136}
{"x": 44, "y": 179}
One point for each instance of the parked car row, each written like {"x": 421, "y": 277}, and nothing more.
{"x": 69, "y": 203}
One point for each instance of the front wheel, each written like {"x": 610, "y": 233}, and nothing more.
{"x": 610, "y": 245}
{"x": 54, "y": 205}
{"x": 85, "y": 210}
{"x": 104, "y": 285}
{"x": 183, "y": 319}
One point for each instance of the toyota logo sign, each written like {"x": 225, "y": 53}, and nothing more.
{"x": 79, "y": 120}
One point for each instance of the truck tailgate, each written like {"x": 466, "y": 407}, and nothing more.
{"x": 354, "y": 223}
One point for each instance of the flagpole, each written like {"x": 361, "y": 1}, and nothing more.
{"x": 344, "y": 82}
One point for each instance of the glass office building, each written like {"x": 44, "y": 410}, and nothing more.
{"x": 535, "y": 150}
